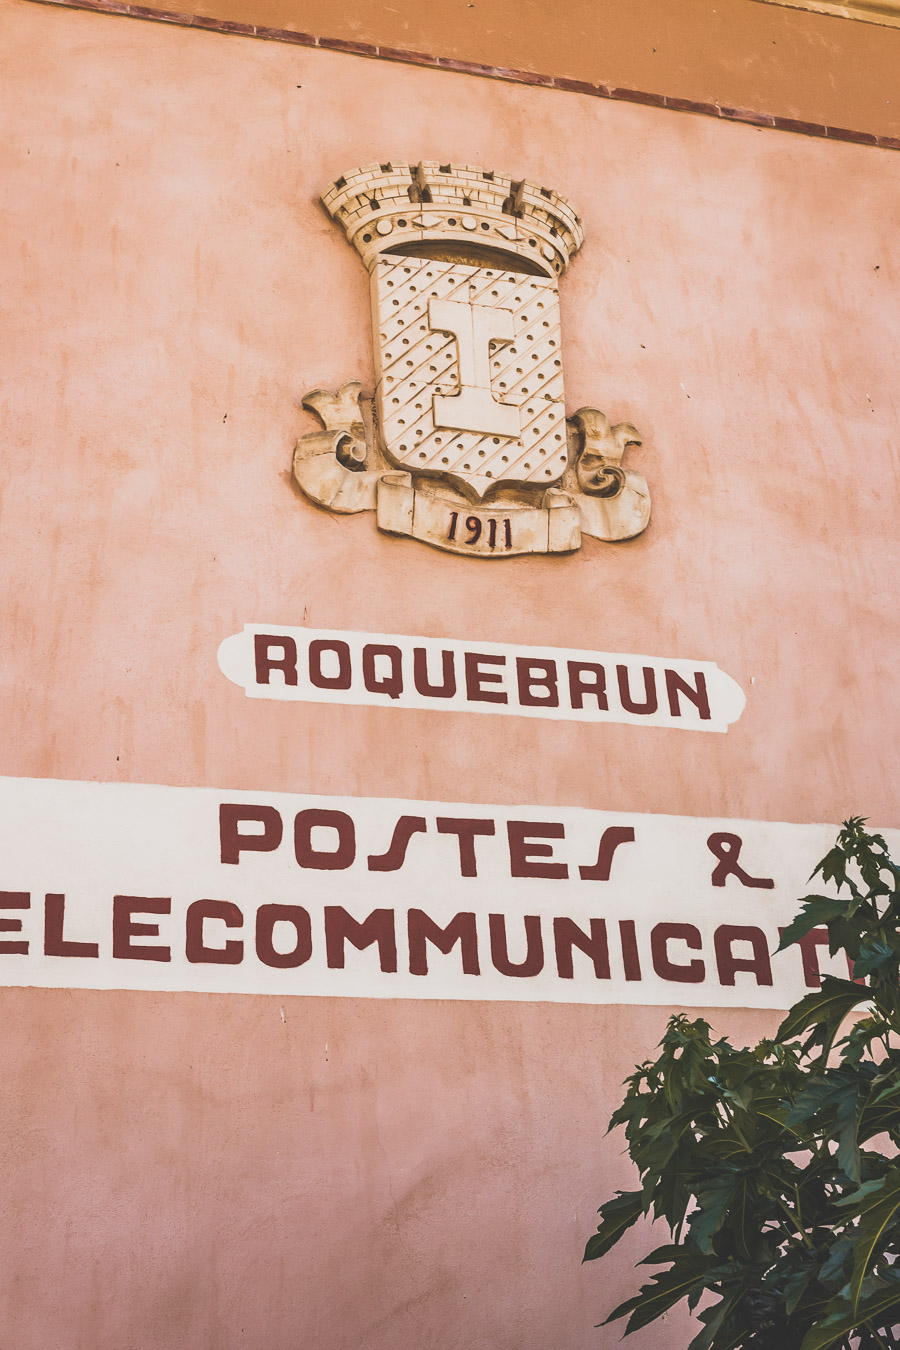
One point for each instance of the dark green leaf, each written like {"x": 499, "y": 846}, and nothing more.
{"x": 827, "y": 1006}
{"x": 667, "y": 1288}
{"x": 616, "y": 1217}
{"x": 817, "y": 909}
{"x": 713, "y": 1203}
{"x": 622, "y": 1310}
{"x": 876, "y": 1210}
{"x": 873, "y": 958}
{"x": 831, "y": 1272}
{"x": 795, "y": 1287}
{"x": 716, "y": 1318}
{"x": 880, "y": 1308}
{"x": 662, "y": 1255}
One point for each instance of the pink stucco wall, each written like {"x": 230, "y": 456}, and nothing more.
{"x": 192, "y": 1170}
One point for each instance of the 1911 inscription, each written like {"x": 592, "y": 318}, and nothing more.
{"x": 474, "y": 527}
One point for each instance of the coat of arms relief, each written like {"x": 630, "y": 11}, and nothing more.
{"x": 466, "y": 444}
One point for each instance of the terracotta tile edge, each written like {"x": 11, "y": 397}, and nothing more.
{"x": 529, "y": 77}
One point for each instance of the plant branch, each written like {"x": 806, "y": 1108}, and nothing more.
{"x": 876, "y": 1336}
{"x": 801, "y": 1231}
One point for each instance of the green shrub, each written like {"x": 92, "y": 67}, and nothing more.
{"x": 761, "y": 1161}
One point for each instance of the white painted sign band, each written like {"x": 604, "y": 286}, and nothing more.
{"x": 134, "y": 886}
{"x": 391, "y": 670}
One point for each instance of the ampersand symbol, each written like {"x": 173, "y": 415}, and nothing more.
{"x": 727, "y": 848}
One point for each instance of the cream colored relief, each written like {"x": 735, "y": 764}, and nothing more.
{"x": 469, "y": 448}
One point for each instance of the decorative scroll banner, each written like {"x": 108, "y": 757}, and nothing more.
{"x": 134, "y": 886}
{"x": 392, "y": 670}
{"x": 329, "y": 467}
{"x": 459, "y": 527}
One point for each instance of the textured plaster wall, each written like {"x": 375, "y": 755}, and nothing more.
{"x": 195, "y": 1170}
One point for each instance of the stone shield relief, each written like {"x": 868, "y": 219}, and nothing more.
{"x": 466, "y": 444}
